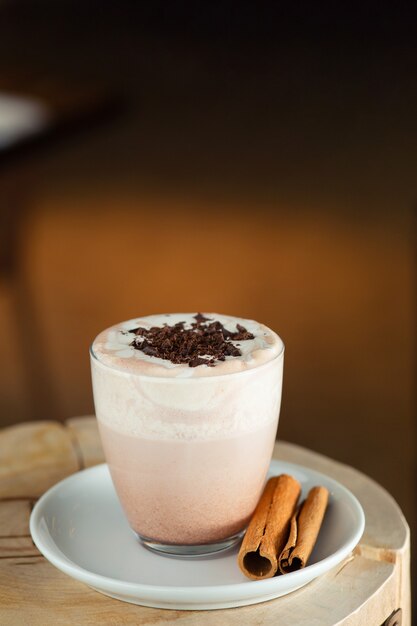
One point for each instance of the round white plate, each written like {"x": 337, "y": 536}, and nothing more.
{"x": 79, "y": 526}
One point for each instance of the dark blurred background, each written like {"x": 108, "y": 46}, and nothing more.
{"x": 257, "y": 159}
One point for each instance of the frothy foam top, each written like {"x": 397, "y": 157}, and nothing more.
{"x": 113, "y": 347}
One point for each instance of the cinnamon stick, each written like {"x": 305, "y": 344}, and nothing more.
{"x": 268, "y": 529}
{"x": 304, "y": 529}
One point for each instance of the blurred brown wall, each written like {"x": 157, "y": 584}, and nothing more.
{"x": 339, "y": 290}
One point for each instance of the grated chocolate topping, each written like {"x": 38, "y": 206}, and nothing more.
{"x": 205, "y": 343}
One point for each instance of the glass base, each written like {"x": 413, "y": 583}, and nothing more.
{"x": 202, "y": 549}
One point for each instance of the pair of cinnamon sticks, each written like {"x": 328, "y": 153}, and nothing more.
{"x": 280, "y": 537}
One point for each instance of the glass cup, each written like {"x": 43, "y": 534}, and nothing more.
{"x": 188, "y": 456}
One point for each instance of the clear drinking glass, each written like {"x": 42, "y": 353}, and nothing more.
{"x": 188, "y": 456}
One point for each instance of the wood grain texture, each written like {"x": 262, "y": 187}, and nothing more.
{"x": 362, "y": 591}
{"x": 33, "y": 457}
{"x": 33, "y": 587}
{"x": 14, "y": 518}
{"x": 17, "y": 546}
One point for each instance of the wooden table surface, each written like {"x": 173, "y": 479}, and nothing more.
{"x": 371, "y": 587}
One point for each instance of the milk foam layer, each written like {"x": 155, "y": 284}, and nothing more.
{"x": 195, "y": 406}
{"x": 112, "y": 347}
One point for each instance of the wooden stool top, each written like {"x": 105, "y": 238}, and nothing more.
{"x": 368, "y": 588}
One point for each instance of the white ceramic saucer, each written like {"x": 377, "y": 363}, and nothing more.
{"x": 79, "y": 526}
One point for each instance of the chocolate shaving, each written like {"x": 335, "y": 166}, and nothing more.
{"x": 203, "y": 344}
{"x": 199, "y": 318}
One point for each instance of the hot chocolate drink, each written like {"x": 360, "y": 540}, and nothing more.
{"x": 188, "y": 406}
